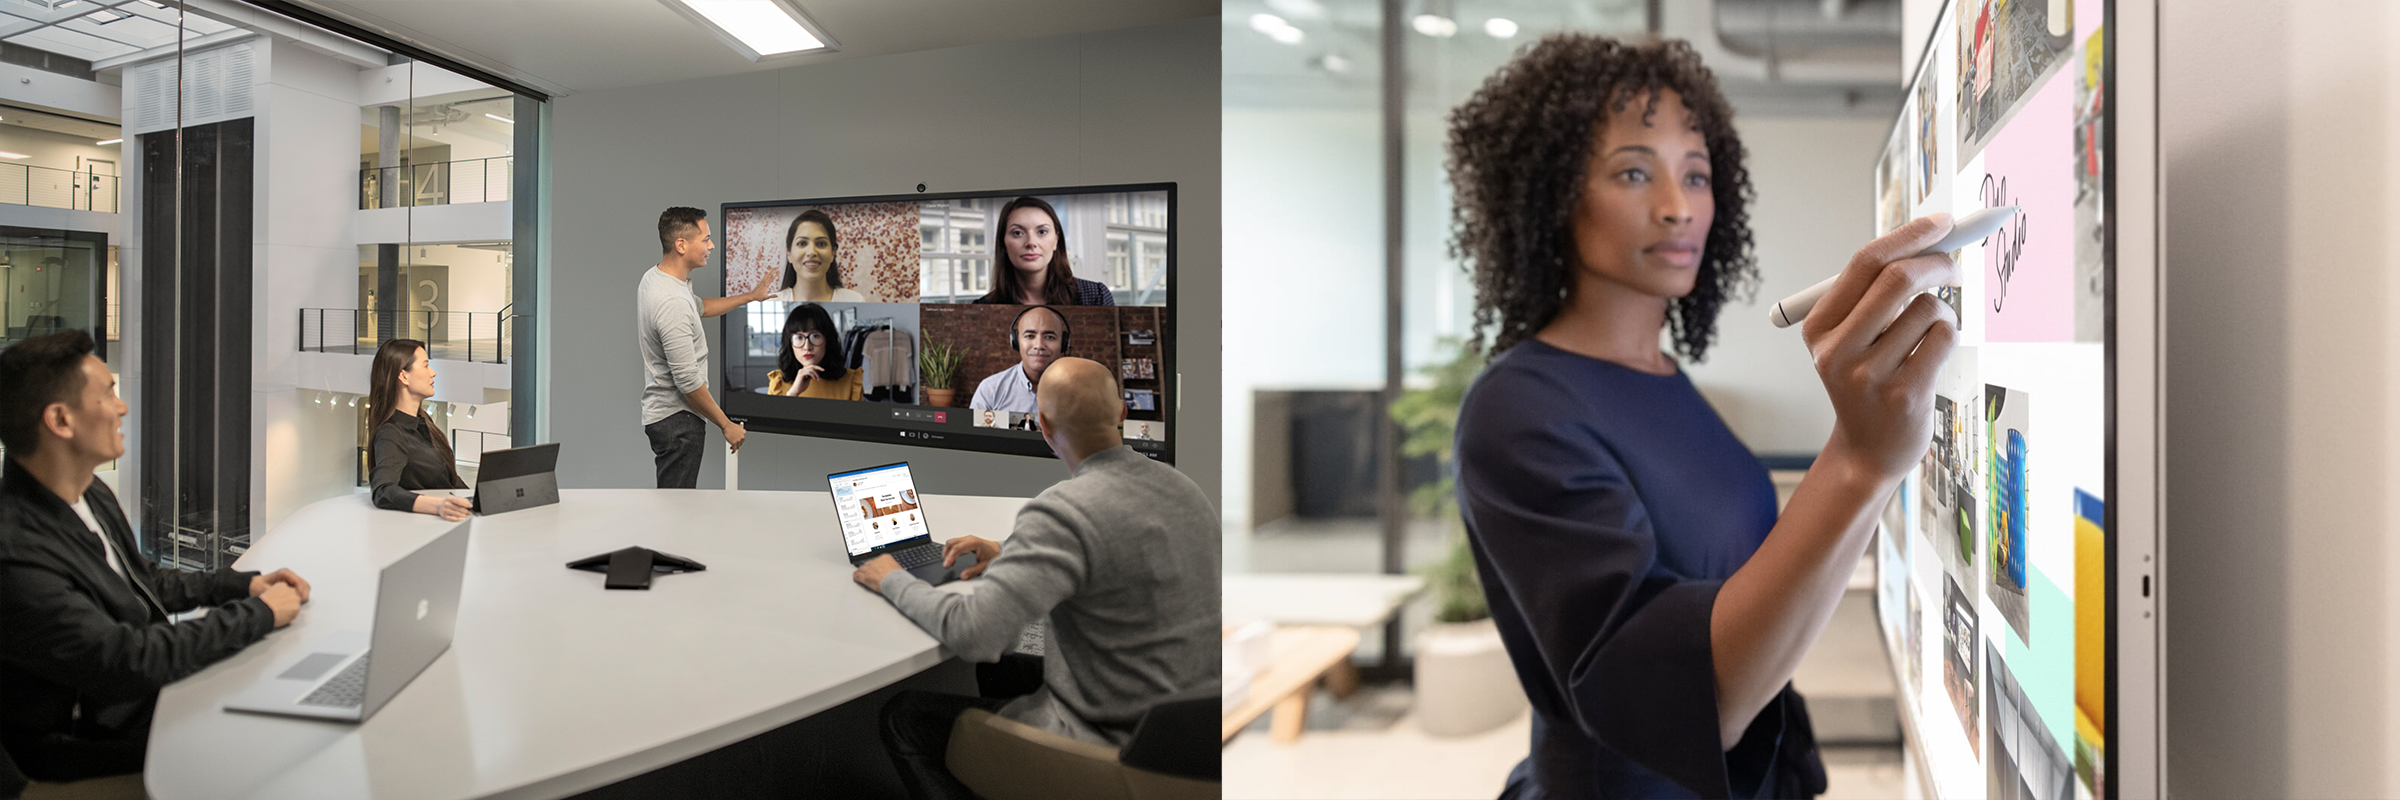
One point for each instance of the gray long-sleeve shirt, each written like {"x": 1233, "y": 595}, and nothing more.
{"x": 674, "y": 354}
{"x": 1124, "y": 558}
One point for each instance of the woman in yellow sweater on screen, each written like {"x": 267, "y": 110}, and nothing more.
{"x": 810, "y": 362}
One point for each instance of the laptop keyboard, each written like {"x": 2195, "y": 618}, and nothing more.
{"x": 919, "y": 556}
{"x": 345, "y": 690}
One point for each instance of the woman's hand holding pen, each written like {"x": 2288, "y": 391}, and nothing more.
{"x": 1879, "y": 339}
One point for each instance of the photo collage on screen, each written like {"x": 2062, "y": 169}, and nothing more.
{"x": 1991, "y": 594}
{"x": 935, "y": 318}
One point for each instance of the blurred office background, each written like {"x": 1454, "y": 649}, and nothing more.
{"x": 1345, "y": 298}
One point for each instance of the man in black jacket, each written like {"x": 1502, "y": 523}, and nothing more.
{"x": 85, "y": 639}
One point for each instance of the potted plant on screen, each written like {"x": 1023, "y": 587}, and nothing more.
{"x": 939, "y": 363}
{"x": 1464, "y": 681}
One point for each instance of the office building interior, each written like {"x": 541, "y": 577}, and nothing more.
{"x": 240, "y": 201}
{"x": 488, "y": 179}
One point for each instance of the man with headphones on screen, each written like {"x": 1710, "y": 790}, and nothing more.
{"x": 1038, "y": 339}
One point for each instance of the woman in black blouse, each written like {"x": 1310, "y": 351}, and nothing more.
{"x": 1034, "y": 269}
{"x": 408, "y": 452}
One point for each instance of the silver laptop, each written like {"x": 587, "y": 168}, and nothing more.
{"x": 416, "y": 610}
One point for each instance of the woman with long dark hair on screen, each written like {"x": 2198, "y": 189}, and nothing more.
{"x": 810, "y": 364}
{"x": 1034, "y": 271}
{"x": 408, "y": 452}
{"x": 1651, "y": 600}
{"x": 809, "y": 273}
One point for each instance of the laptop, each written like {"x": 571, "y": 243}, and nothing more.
{"x": 416, "y": 610}
{"x": 882, "y": 516}
{"x": 519, "y": 477}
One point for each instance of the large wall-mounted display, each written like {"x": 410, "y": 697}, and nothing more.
{"x": 1994, "y": 597}
{"x": 928, "y": 319}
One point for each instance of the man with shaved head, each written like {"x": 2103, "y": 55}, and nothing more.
{"x": 1122, "y": 557}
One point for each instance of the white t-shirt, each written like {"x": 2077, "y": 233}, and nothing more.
{"x": 92, "y": 522}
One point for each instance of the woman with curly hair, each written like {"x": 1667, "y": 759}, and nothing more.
{"x": 1653, "y": 604}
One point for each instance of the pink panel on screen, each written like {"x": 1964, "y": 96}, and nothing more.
{"x": 2029, "y": 265}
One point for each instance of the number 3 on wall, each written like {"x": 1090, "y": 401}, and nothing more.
{"x": 433, "y": 292}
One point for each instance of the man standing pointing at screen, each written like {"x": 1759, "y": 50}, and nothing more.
{"x": 675, "y": 356}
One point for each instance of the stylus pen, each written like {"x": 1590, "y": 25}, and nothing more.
{"x": 1968, "y": 230}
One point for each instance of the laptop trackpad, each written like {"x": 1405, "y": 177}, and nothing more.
{"x": 312, "y": 667}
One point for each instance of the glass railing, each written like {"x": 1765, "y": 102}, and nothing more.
{"x": 454, "y": 335}
{"x": 28, "y": 185}
{"x": 469, "y": 446}
{"x": 481, "y": 180}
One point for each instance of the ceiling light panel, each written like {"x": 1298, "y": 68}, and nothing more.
{"x": 756, "y": 28}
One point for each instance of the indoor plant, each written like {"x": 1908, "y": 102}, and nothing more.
{"x": 939, "y": 364}
{"x": 1464, "y": 681}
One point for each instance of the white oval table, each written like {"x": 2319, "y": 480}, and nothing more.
{"x": 553, "y": 685}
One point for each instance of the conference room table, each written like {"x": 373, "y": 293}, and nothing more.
{"x": 553, "y": 685}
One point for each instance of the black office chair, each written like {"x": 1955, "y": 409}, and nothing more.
{"x": 12, "y": 780}
{"x": 15, "y": 786}
{"x": 1173, "y": 756}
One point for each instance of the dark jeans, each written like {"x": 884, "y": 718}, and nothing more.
{"x": 1014, "y": 675}
{"x": 916, "y": 733}
{"x": 675, "y": 445}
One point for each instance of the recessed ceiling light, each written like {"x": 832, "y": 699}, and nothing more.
{"x": 1299, "y": 9}
{"x": 1276, "y": 28}
{"x": 109, "y": 141}
{"x": 1500, "y": 28}
{"x": 6, "y": 154}
{"x": 1435, "y": 25}
{"x": 756, "y": 28}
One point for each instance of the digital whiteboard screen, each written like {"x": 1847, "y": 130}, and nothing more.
{"x": 1993, "y": 590}
{"x": 928, "y": 319}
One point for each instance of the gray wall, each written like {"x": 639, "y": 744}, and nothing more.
{"x": 1129, "y": 106}
{"x": 2282, "y": 620}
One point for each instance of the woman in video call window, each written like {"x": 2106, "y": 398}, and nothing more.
{"x": 809, "y": 274}
{"x": 810, "y": 364}
{"x": 1653, "y": 604}
{"x": 1034, "y": 244}
{"x": 408, "y": 452}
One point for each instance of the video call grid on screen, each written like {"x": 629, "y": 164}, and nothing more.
{"x": 877, "y": 506}
{"x": 888, "y": 275}
{"x": 1994, "y": 598}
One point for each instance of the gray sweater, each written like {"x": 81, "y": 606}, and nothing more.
{"x": 674, "y": 354}
{"x": 1124, "y": 558}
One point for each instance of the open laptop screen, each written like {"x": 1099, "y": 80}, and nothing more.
{"x": 878, "y": 507}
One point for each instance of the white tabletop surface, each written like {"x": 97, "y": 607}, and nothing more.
{"x": 553, "y": 685}
{"x": 1310, "y": 598}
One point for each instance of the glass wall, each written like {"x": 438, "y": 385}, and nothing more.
{"x": 240, "y": 290}
{"x": 428, "y": 269}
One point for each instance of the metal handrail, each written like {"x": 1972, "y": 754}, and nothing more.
{"x": 454, "y": 335}
{"x": 49, "y": 187}
{"x": 474, "y": 180}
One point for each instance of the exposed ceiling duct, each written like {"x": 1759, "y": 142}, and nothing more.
{"x": 1796, "y": 57}
{"x": 1824, "y": 42}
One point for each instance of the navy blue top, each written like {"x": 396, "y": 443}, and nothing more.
{"x": 1605, "y": 506}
